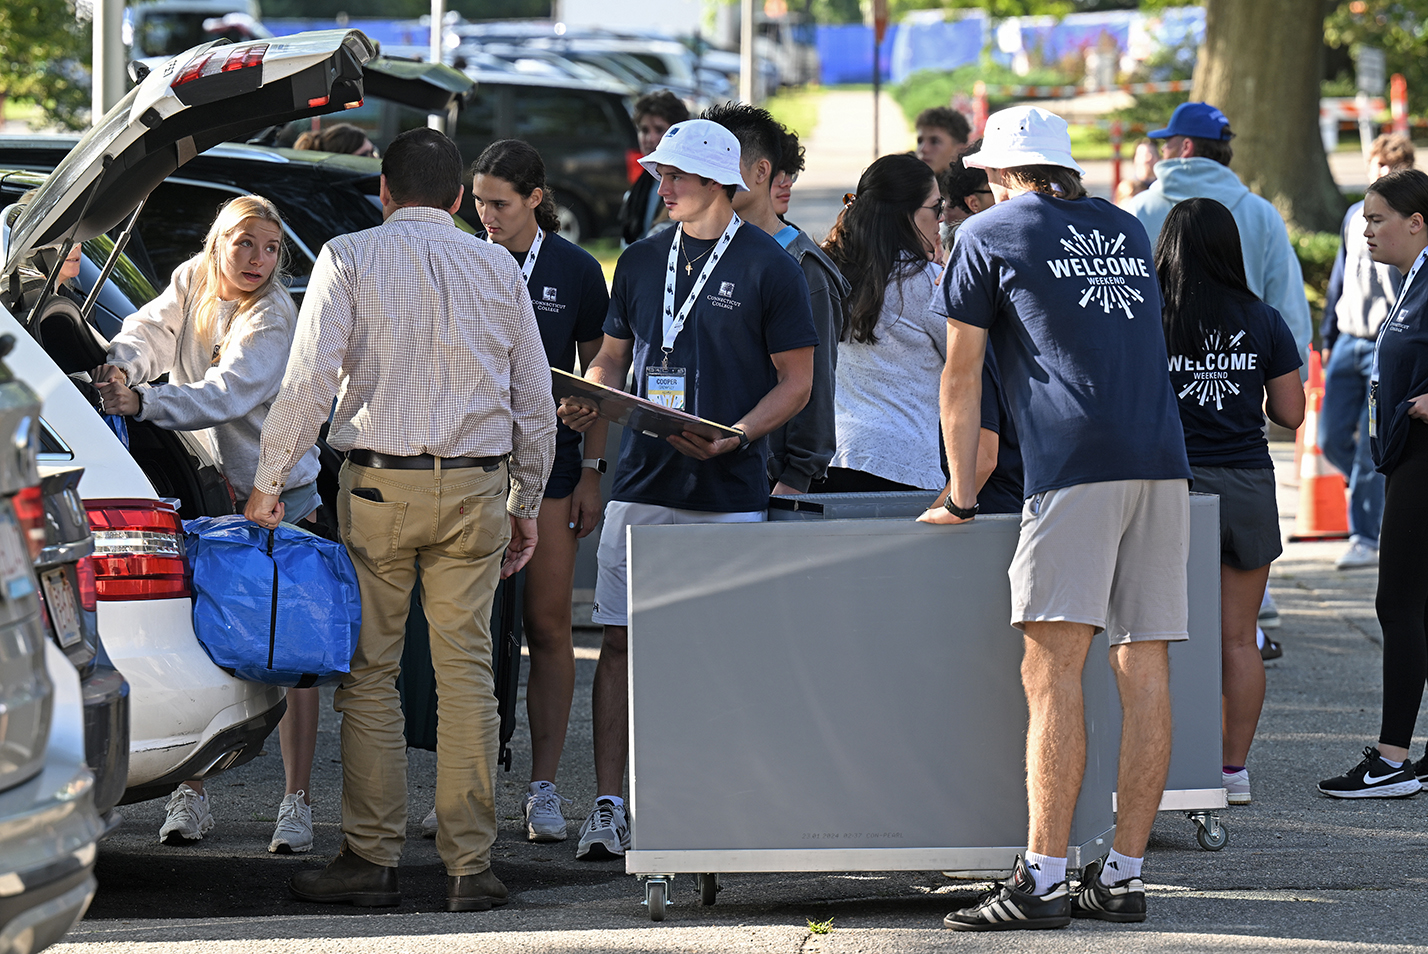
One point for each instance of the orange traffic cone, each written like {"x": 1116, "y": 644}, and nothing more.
{"x": 1323, "y": 511}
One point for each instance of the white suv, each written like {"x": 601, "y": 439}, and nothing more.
{"x": 189, "y": 719}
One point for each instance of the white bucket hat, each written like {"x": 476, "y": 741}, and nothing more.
{"x": 1024, "y": 136}
{"x": 701, "y": 148}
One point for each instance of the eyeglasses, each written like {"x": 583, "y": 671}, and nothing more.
{"x": 937, "y": 207}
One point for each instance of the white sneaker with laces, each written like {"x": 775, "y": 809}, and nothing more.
{"x": 294, "y": 832}
{"x": 188, "y": 817}
{"x": 606, "y": 832}
{"x": 544, "y": 819}
{"x": 428, "y": 825}
{"x": 1359, "y": 554}
{"x": 1237, "y": 787}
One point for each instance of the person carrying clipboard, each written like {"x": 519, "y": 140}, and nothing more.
{"x": 715, "y": 320}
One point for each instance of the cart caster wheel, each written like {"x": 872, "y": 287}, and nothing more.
{"x": 1209, "y": 832}
{"x": 708, "y": 888}
{"x": 656, "y": 895}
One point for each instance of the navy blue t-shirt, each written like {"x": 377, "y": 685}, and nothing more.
{"x": 1002, "y": 493}
{"x": 1068, "y": 293}
{"x": 1222, "y": 394}
{"x": 570, "y": 299}
{"x": 754, "y": 304}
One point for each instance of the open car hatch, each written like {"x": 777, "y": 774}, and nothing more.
{"x": 213, "y": 93}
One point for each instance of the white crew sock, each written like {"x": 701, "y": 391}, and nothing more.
{"x": 1046, "y": 871}
{"x": 1119, "y": 867}
{"x": 616, "y": 799}
{"x": 1390, "y": 762}
{"x": 1258, "y": 638}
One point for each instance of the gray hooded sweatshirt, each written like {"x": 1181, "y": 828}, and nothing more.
{"x": 225, "y": 401}
{"x": 799, "y": 451}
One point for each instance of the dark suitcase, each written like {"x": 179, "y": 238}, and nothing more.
{"x": 417, "y": 682}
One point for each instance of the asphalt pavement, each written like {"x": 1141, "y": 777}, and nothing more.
{"x": 1301, "y": 872}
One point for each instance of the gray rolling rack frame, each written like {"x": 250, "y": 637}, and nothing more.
{"x": 798, "y": 687}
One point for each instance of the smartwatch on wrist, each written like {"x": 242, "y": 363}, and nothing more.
{"x": 961, "y": 513}
{"x": 596, "y": 464}
{"x": 743, "y": 438}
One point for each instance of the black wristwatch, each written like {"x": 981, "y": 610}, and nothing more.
{"x": 743, "y": 438}
{"x": 961, "y": 513}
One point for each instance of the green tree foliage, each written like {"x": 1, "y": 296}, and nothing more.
{"x": 44, "y": 56}
{"x": 1399, "y": 28}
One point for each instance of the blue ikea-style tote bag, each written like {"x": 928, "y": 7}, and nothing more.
{"x": 274, "y": 606}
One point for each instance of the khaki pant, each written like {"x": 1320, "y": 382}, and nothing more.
{"x": 451, "y": 530}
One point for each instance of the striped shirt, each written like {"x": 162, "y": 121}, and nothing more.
{"x": 427, "y": 338}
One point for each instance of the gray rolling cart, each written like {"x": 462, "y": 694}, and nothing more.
{"x": 844, "y": 695}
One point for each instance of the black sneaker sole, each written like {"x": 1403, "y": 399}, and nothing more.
{"x": 1030, "y": 924}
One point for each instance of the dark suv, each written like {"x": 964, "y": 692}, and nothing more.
{"x": 582, "y": 130}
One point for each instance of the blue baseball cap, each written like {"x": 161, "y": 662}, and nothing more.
{"x": 1197, "y": 120}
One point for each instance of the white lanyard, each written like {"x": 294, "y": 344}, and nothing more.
{"x": 1397, "y": 304}
{"x": 674, "y": 323}
{"x": 529, "y": 265}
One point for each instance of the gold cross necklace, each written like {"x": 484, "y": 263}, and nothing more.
{"x": 688, "y": 264}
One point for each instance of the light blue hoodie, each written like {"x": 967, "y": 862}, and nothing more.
{"x": 1271, "y": 267}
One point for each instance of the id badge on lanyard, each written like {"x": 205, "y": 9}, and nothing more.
{"x": 665, "y": 385}
{"x": 1378, "y": 342}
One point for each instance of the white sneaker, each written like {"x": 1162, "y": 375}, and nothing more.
{"x": 1237, "y": 787}
{"x": 544, "y": 819}
{"x": 294, "y": 832}
{"x": 606, "y": 833}
{"x": 189, "y": 818}
{"x": 1359, "y": 554}
{"x": 428, "y": 825}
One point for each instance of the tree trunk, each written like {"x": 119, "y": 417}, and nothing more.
{"x": 1261, "y": 63}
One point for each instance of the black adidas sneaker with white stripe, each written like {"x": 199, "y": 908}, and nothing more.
{"x": 1122, "y": 901}
{"x": 1011, "y": 906}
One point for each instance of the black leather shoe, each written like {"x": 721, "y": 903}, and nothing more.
{"x": 478, "y": 892}
{"x": 348, "y": 879}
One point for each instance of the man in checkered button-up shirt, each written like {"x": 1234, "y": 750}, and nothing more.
{"x": 427, "y": 338}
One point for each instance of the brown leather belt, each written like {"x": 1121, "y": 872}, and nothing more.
{"x": 369, "y": 458}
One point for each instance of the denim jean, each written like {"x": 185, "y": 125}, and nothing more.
{"x": 1343, "y": 433}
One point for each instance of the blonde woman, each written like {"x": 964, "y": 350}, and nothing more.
{"x": 221, "y": 331}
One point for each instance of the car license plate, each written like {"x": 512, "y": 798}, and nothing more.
{"x": 15, "y": 579}
{"x": 59, "y": 600}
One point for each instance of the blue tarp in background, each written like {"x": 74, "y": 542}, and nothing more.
{"x": 927, "y": 42}
{"x": 845, "y": 53}
{"x": 924, "y": 40}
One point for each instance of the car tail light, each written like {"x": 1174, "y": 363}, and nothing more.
{"x": 30, "y": 512}
{"x": 84, "y": 571}
{"x": 222, "y": 59}
{"x": 138, "y": 550}
{"x": 354, "y": 105}
{"x": 633, "y": 169}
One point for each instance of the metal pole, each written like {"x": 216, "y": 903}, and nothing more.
{"x": 746, "y": 51}
{"x": 877, "y": 92}
{"x": 109, "y": 80}
{"x": 438, "y": 43}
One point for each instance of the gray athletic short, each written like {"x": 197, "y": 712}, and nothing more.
{"x": 1249, "y": 513}
{"x": 1110, "y": 554}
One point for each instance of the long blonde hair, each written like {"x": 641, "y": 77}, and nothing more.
{"x": 206, "y": 277}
